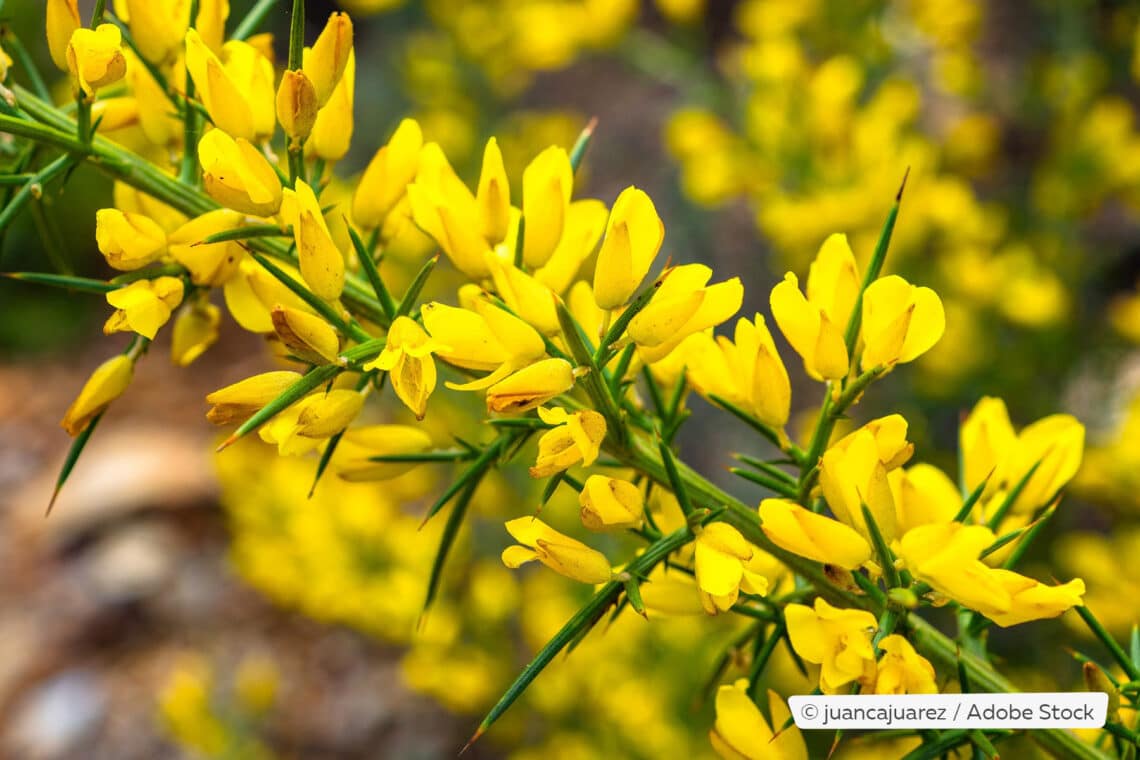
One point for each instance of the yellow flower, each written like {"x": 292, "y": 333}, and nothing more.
{"x": 195, "y": 330}
{"x": 325, "y": 62}
{"x": 332, "y": 131}
{"x": 300, "y": 428}
{"x": 128, "y": 241}
{"x": 446, "y": 210}
{"x": 531, "y": 386}
{"x": 816, "y": 537}
{"x": 486, "y": 338}
{"x": 296, "y": 106}
{"x": 814, "y": 325}
{"x": 237, "y": 176}
{"x": 241, "y": 400}
{"x": 106, "y": 384}
{"x": 609, "y": 503}
{"x": 838, "y": 640}
{"x": 741, "y": 733}
{"x": 547, "y": 184}
{"x": 360, "y": 443}
{"x": 238, "y": 94}
{"x": 923, "y": 494}
{"x": 585, "y": 222}
{"x": 493, "y": 195}
{"x": 891, "y": 445}
{"x": 560, "y": 553}
{"x": 577, "y": 438}
{"x": 322, "y": 264}
{"x": 211, "y": 22}
{"x": 62, "y": 20}
{"x": 1031, "y": 600}
{"x": 721, "y": 557}
{"x": 157, "y": 26}
{"x": 903, "y": 670}
{"x": 747, "y": 371}
{"x": 386, "y": 178}
{"x": 212, "y": 264}
{"x": 524, "y": 295}
{"x": 307, "y": 336}
{"x": 143, "y": 306}
{"x": 683, "y": 305}
{"x": 634, "y": 234}
{"x": 900, "y": 322}
{"x": 853, "y": 475}
{"x": 985, "y": 441}
{"x": 1057, "y": 442}
{"x": 671, "y": 596}
{"x": 95, "y": 59}
{"x": 407, "y": 359}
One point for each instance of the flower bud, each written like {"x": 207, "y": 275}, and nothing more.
{"x": 634, "y": 235}
{"x": 237, "y": 175}
{"x": 609, "y": 503}
{"x": 241, "y": 400}
{"x": 853, "y": 475}
{"x": 684, "y": 304}
{"x": 361, "y": 443}
{"x": 494, "y": 195}
{"x": 95, "y": 59}
{"x": 560, "y": 553}
{"x": 143, "y": 306}
{"x": 323, "y": 415}
{"x": 128, "y": 241}
{"x": 195, "y": 330}
{"x": 719, "y": 563}
{"x": 386, "y": 178}
{"x": 531, "y": 386}
{"x": 325, "y": 62}
{"x": 332, "y": 130}
{"x": 307, "y": 336}
{"x": 106, "y": 384}
{"x": 296, "y": 107}
{"x": 62, "y": 20}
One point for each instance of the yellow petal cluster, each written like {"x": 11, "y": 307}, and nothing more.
{"x": 559, "y": 552}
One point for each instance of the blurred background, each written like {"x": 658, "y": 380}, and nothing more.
{"x": 183, "y": 604}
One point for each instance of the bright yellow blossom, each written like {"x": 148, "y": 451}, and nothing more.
{"x": 524, "y": 295}
{"x": 237, "y": 176}
{"x": 359, "y": 443}
{"x": 325, "y": 62}
{"x": 530, "y": 387}
{"x": 307, "y": 336}
{"x": 923, "y": 494}
{"x": 238, "y": 94}
{"x": 838, "y": 640}
{"x": 891, "y": 445}
{"x": 560, "y": 553}
{"x": 332, "y": 130}
{"x": 903, "y": 670}
{"x": 1057, "y": 442}
{"x": 482, "y": 338}
{"x": 157, "y": 26}
{"x": 106, "y": 384}
{"x": 900, "y": 322}
{"x": 95, "y": 59}
{"x": 143, "y": 306}
{"x": 241, "y": 400}
{"x": 742, "y": 733}
{"x": 195, "y": 330}
{"x": 852, "y": 476}
{"x": 62, "y": 19}
{"x": 407, "y": 360}
{"x": 634, "y": 234}
{"x": 214, "y": 263}
{"x": 683, "y": 304}
{"x": 493, "y": 195}
{"x": 322, "y": 264}
{"x": 447, "y": 211}
{"x": 296, "y": 106}
{"x": 985, "y": 440}
{"x": 810, "y": 535}
{"x": 300, "y": 428}
{"x": 719, "y": 560}
{"x": 577, "y": 438}
{"x": 547, "y": 184}
{"x": 610, "y": 503}
{"x": 128, "y": 241}
{"x": 387, "y": 175}
{"x": 585, "y": 222}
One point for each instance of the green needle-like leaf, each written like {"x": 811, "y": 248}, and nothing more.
{"x": 316, "y": 303}
{"x": 886, "y": 558}
{"x": 780, "y": 487}
{"x": 474, "y": 473}
{"x": 326, "y": 457}
{"x": 417, "y": 286}
{"x": 247, "y": 232}
{"x": 675, "y": 482}
{"x": 82, "y": 284}
{"x": 368, "y": 264}
{"x": 1011, "y": 498}
{"x": 583, "y": 142}
{"x": 971, "y": 500}
{"x": 1118, "y": 654}
{"x": 73, "y": 453}
{"x": 446, "y": 540}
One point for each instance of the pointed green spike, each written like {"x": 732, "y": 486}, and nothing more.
{"x": 583, "y": 142}
{"x": 772, "y": 484}
{"x": 446, "y": 540}
{"x": 1011, "y": 497}
{"x": 417, "y": 286}
{"x": 473, "y": 473}
{"x": 326, "y": 457}
{"x": 886, "y": 558}
{"x": 73, "y": 453}
{"x": 248, "y": 232}
{"x": 368, "y": 264}
{"x": 675, "y": 482}
{"x": 314, "y": 302}
{"x": 295, "y": 392}
{"x": 82, "y": 284}
{"x": 1118, "y": 654}
{"x": 971, "y": 500}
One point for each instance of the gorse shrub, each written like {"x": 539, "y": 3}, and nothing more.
{"x": 577, "y": 338}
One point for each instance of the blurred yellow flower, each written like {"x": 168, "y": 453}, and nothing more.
{"x": 106, "y": 384}
{"x": 742, "y": 733}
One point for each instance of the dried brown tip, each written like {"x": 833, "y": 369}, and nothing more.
{"x": 902, "y": 186}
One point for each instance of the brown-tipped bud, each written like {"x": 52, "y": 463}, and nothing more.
{"x": 1097, "y": 680}
{"x": 325, "y": 61}
{"x": 296, "y": 106}
{"x": 307, "y": 336}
